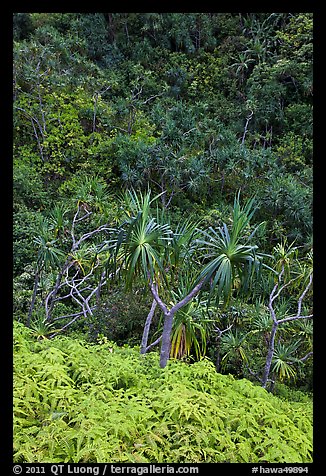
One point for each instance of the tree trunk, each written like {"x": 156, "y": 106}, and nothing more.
{"x": 218, "y": 356}
{"x": 94, "y": 113}
{"x": 168, "y": 317}
{"x": 246, "y": 127}
{"x": 166, "y": 340}
{"x": 50, "y": 299}
{"x": 143, "y": 347}
{"x": 36, "y": 282}
{"x": 270, "y": 354}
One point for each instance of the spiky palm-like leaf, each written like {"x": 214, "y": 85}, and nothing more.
{"x": 190, "y": 325}
{"x": 84, "y": 258}
{"x": 227, "y": 252}
{"x": 232, "y": 346}
{"x": 262, "y": 322}
{"x": 181, "y": 246}
{"x": 57, "y": 219}
{"x": 140, "y": 241}
{"x": 93, "y": 192}
{"x": 48, "y": 254}
{"x": 283, "y": 360}
{"x": 41, "y": 329}
{"x": 143, "y": 247}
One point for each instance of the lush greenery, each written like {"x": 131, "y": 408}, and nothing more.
{"x": 163, "y": 200}
{"x": 79, "y": 402}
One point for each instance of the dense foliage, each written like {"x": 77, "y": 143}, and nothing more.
{"x": 163, "y": 199}
{"x": 77, "y": 402}
{"x": 196, "y": 105}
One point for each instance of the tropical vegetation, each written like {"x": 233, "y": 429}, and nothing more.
{"x": 162, "y": 234}
{"x": 79, "y": 402}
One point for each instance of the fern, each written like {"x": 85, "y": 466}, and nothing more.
{"x": 78, "y": 402}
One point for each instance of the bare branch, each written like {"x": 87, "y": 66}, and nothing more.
{"x": 303, "y": 295}
{"x": 169, "y": 201}
{"x": 143, "y": 347}
{"x": 249, "y": 117}
{"x": 283, "y": 287}
{"x": 272, "y": 296}
{"x": 34, "y": 119}
{"x": 254, "y": 374}
{"x": 306, "y": 356}
{"x": 294, "y": 318}
{"x": 190, "y": 130}
{"x": 91, "y": 233}
{"x": 152, "y": 97}
{"x": 157, "y": 341}
{"x": 84, "y": 216}
{"x": 217, "y": 329}
{"x": 187, "y": 298}
{"x": 67, "y": 325}
{"x": 277, "y": 322}
{"x": 71, "y": 315}
{"x": 157, "y": 298}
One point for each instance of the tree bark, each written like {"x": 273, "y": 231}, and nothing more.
{"x": 168, "y": 317}
{"x": 166, "y": 340}
{"x": 50, "y": 299}
{"x": 36, "y": 282}
{"x": 270, "y": 354}
{"x": 276, "y": 322}
{"x": 218, "y": 357}
{"x": 143, "y": 347}
{"x": 246, "y": 127}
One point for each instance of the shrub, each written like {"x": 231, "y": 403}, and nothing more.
{"x": 80, "y": 402}
{"x": 121, "y": 316}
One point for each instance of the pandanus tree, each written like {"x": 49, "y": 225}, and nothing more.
{"x": 48, "y": 256}
{"x": 190, "y": 329}
{"x": 228, "y": 254}
{"x": 69, "y": 243}
{"x": 140, "y": 240}
{"x": 279, "y": 357}
{"x": 144, "y": 246}
{"x": 178, "y": 263}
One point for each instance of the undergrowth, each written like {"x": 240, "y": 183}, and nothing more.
{"x": 80, "y": 402}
